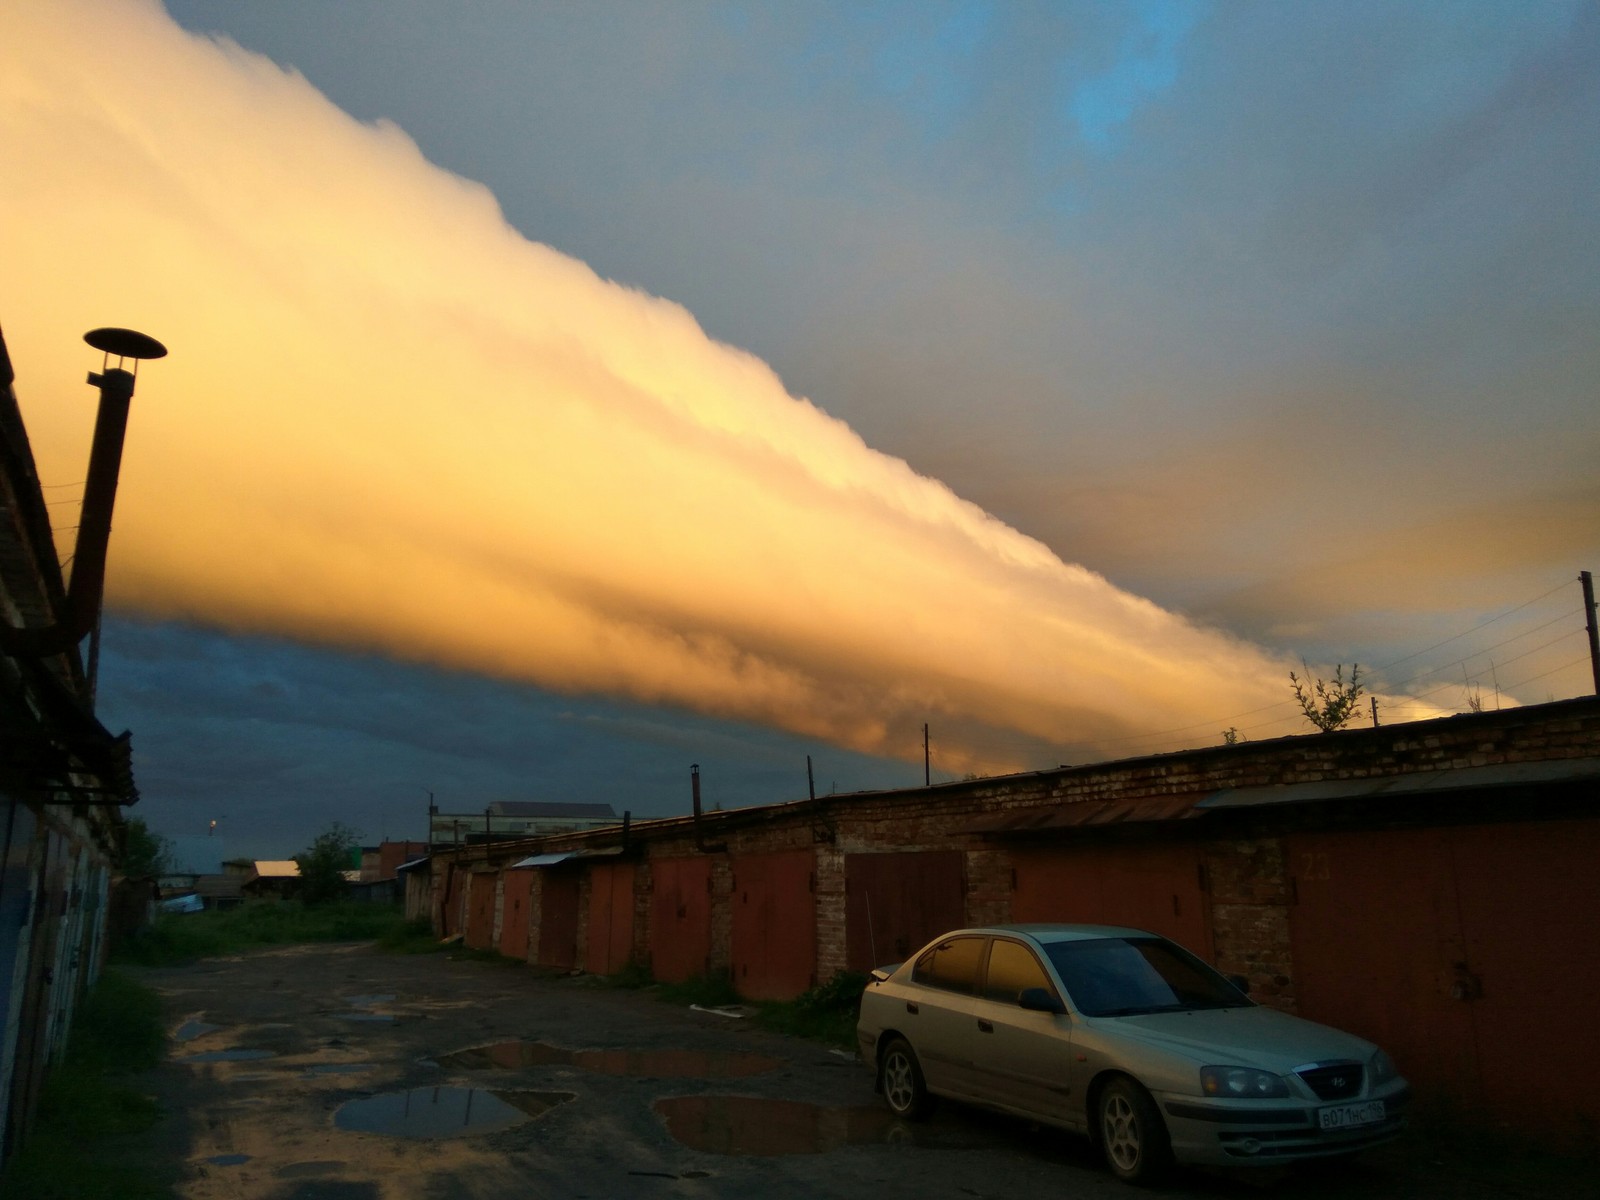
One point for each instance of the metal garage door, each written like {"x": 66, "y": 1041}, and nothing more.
{"x": 774, "y": 951}
{"x": 480, "y": 910}
{"x": 1154, "y": 887}
{"x": 558, "y": 918}
{"x": 680, "y": 918}
{"x": 896, "y": 903}
{"x": 516, "y": 898}
{"x": 1469, "y": 954}
{"x": 608, "y": 940}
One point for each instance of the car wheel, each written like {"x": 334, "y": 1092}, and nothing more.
{"x": 1133, "y": 1137}
{"x": 901, "y": 1075}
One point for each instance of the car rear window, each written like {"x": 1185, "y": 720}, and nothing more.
{"x": 1012, "y": 968}
{"x": 951, "y": 965}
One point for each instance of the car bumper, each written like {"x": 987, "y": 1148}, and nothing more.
{"x": 1213, "y": 1133}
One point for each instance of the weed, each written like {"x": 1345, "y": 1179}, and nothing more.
{"x": 83, "y": 1145}
{"x": 708, "y": 991}
{"x": 178, "y": 938}
{"x": 827, "y": 1013}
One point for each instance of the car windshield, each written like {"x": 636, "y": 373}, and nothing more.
{"x": 1118, "y": 977}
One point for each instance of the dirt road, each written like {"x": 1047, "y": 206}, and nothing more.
{"x": 338, "y": 1073}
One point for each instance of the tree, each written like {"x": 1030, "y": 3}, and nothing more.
{"x": 144, "y": 852}
{"x": 1328, "y": 706}
{"x": 323, "y": 864}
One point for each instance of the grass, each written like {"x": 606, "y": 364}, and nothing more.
{"x": 824, "y": 1014}
{"x": 178, "y": 938}
{"x": 85, "y": 1143}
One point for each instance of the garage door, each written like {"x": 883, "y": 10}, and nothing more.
{"x": 1469, "y": 954}
{"x": 516, "y": 897}
{"x": 897, "y": 903}
{"x": 680, "y": 918}
{"x": 558, "y": 918}
{"x": 774, "y": 951}
{"x": 1154, "y": 887}
{"x": 480, "y": 911}
{"x": 609, "y": 935}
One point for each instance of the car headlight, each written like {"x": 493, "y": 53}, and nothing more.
{"x": 1381, "y": 1069}
{"x": 1241, "y": 1083}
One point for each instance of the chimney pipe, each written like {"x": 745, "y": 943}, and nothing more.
{"x": 99, "y": 496}
{"x": 694, "y": 783}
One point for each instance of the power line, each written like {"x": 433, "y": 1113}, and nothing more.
{"x": 1474, "y": 629}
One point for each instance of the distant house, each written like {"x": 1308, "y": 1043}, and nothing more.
{"x": 276, "y": 879}
{"x": 516, "y": 818}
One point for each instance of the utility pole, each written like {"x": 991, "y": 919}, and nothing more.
{"x": 927, "y": 772}
{"x": 811, "y": 783}
{"x": 1374, "y": 712}
{"x": 1589, "y": 623}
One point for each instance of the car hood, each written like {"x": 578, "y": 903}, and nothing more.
{"x": 1243, "y": 1037}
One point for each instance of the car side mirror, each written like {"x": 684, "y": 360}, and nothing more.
{"x": 1240, "y": 982}
{"x": 1038, "y": 999}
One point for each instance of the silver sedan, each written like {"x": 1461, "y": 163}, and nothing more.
{"x": 1127, "y": 1037}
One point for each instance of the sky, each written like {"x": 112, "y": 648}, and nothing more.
{"x": 564, "y": 394}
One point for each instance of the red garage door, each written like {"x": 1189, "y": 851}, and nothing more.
{"x": 1468, "y": 954}
{"x": 680, "y": 918}
{"x": 774, "y": 951}
{"x": 514, "y": 903}
{"x": 480, "y": 911}
{"x": 1154, "y": 887}
{"x": 558, "y": 918}
{"x": 608, "y": 941}
{"x": 896, "y": 903}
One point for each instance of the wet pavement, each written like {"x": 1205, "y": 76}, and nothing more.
{"x": 479, "y": 1080}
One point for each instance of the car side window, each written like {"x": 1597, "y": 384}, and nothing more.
{"x": 951, "y": 965}
{"x": 1012, "y": 969}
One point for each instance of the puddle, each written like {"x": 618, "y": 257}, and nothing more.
{"x": 367, "y": 1001}
{"x": 192, "y": 1029}
{"x": 228, "y": 1160}
{"x": 210, "y": 1056}
{"x": 338, "y": 1068}
{"x": 648, "y": 1064}
{"x": 754, "y": 1126}
{"x": 386, "y": 1018}
{"x": 444, "y": 1112}
{"x": 301, "y": 1170}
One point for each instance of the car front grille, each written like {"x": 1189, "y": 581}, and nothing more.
{"x": 1333, "y": 1081}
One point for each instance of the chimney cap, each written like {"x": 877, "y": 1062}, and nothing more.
{"x": 125, "y": 343}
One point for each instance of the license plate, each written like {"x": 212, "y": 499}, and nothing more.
{"x": 1349, "y": 1116}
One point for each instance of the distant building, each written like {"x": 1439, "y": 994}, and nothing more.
{"x": 516, "y": 818}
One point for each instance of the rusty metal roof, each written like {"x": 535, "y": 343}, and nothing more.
{"x": 1088, "y": 812}
{"x": 1421, "y": 783}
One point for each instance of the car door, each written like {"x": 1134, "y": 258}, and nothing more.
{"x": 1021, "y": 1058}
{"x": 938, "y": 1012}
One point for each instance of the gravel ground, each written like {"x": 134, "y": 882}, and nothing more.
{"x": 338, "y": 1073}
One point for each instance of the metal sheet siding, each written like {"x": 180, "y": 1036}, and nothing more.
{"x": 680, "y": 918}
{"x": 895, "y": 903}
{"x": 774, "y": 935}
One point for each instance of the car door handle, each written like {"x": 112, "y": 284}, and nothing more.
{"x": 911, "y": 1007}
{"x": 985, "y": 1026}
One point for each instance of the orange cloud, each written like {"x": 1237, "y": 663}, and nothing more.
{"x": 390, "y": 421}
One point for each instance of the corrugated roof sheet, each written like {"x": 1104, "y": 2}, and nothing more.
{"x": 1422, "y": 783}
{"x": 1082, "y": 813}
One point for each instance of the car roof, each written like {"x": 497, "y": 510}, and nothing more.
{"x": 1045, "y": 934}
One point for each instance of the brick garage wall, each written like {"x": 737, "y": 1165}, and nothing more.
{"x": 1250, "y": 897}
{"x": 1248, "y": 880}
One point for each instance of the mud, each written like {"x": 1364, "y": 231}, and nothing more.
{"x": 595, "y": 1093}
